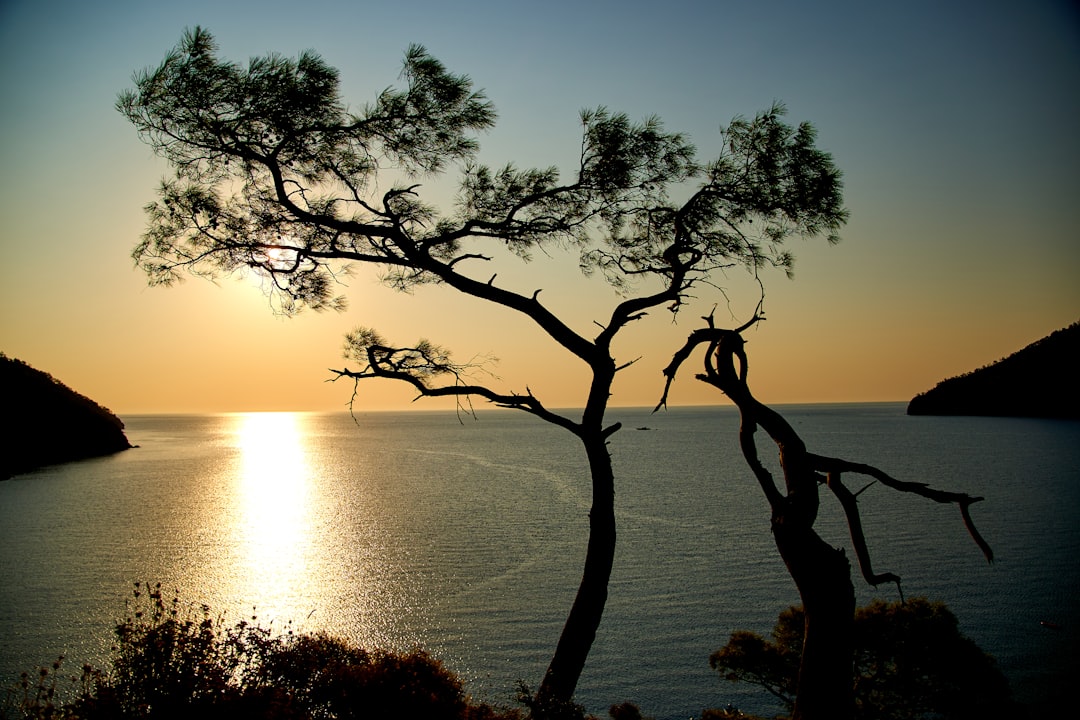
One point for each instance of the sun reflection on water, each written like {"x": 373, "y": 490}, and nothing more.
{"x": 303, "y": 539}
{"x": 273, "y": 523}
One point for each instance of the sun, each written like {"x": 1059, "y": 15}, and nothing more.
{"x": 279, "y": 256}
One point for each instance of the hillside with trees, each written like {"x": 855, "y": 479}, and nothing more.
{"x": 1039, "y": 381}
{"x": 49, "y": 423}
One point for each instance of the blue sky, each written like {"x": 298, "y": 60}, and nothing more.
{"x": 954, "y": 124}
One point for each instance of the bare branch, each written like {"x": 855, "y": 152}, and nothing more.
{"x": 710, "y": 334}
{"x": 850, "y": 504}
{"x": 418, "y": 365}
{"x": 726, "y": 368}
{"x": 962, "y": 500}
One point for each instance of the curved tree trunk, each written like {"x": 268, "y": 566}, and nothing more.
{"x": 821, "y": 572}
{"x": 823, "y": 576}
{"x": 556, "y": 691}
{"x": 579, "y": 632}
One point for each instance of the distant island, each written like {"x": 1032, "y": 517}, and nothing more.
{"x": 49, "y": 423}
{"x": 1042, "y": 380}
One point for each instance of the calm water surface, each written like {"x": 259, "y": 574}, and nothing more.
{"x": 468, "y": 539}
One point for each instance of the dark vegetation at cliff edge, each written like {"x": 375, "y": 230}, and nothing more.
{"x": 49, "y": 423}
{"x": 1040, "y": 380}
{"x": 173, "y": 660}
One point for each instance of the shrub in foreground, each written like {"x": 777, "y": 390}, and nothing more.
{"x": 911, "y": 661}
{"x": 172, "y": 663}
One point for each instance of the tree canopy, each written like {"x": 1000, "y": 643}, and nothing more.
{"x": 273, "y": 173}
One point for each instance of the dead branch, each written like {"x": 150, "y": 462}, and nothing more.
{"x": 711, "y": 335}
{"x": 962, "y": 500}
{"x": 849, "y": 502}
{"x": 726, "y": 368}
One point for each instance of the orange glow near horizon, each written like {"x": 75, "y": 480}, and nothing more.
{"x": 948, "y": 262}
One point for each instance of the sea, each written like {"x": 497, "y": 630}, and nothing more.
{"x": 465, "y": 535}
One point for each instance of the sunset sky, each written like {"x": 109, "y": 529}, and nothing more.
{"x": 956, "y": 124}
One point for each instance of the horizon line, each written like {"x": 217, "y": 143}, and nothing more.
{"x": 494, "y": 408}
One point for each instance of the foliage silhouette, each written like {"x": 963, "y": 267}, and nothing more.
{"x": 911, "y": 661}
{"x": 274, "y": 174}
{"x": 170, "y": 662}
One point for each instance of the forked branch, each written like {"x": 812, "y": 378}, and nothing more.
{"x": 962, "y": 500}
{"x": 849, "y": 502}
